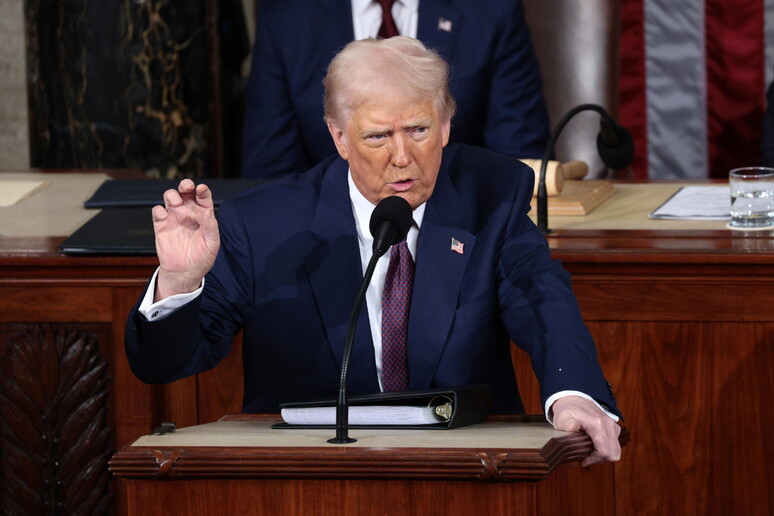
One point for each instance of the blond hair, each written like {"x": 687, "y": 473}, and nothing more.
{"x": 364, "y": 68}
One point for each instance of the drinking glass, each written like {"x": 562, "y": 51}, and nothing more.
{"x": 752, "y": 197}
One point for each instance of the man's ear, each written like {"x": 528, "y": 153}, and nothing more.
{"x": 446, "y": 128}
{"x": 339, "y": 139}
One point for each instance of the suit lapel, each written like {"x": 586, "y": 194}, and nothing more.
{"x": 435, "y": 17}
{"x": 437, "y": 280}
{"x": 332, "y": 28}
{"x": 335, "y": 274}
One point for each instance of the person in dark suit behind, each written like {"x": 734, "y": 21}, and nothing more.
{"x": 284, "y": 262}
{"x": 495, "y": 77}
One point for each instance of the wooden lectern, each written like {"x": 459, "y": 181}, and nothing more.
{"x": 240, "y": 465}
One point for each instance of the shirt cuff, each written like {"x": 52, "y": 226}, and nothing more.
{"x": 561, "y": 394}
{"x": 161, "y": 309}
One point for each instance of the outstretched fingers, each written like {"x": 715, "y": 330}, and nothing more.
{"x": 204, "y": 196}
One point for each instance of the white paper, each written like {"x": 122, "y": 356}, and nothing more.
{"x": 696, "y": 203}
{"x": 15, "y": 190}
{"x": 363, "y": 415}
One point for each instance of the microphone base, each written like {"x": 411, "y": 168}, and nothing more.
{"x": 546, "y": 231}
{"x": 342, "y": 440}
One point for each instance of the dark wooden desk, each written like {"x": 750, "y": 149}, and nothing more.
{"x": 681, "y": 315}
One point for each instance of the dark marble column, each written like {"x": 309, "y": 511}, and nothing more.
{"x": 125, "y": 84}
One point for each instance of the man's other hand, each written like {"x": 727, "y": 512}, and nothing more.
{"x": 574, "y": 413}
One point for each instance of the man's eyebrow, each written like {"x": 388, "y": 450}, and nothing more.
{"x": 373, "y": 131}
{"x": 419, "y": 122}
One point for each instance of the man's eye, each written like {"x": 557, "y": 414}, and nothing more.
{"x": 375, "y": 137}
{"x": 420, "y": 130}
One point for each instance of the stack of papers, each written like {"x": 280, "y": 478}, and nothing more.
{"x": 696, "y": 203}
{"x": 364, "y": 415}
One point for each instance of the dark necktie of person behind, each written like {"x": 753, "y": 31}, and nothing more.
{"x": 396, "y": 302}
{"x": 388, "y": 28}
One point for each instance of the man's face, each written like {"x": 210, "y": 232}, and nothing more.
{"x": 393, "y": 147}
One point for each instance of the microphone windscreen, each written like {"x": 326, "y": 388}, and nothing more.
{"x": 393, "y": 211}
{"x": 619, "y": 153}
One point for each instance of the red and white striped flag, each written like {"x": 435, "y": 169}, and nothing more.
{"x": 693, "y": 80}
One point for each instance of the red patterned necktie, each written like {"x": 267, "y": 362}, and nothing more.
{"x": 396, "y": 302}
{"x": 388, "y": 28}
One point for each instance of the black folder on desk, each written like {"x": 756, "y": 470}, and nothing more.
{"x": 125, "y": 225}
{"x": 135, "y": 193}
{"x": 467, "y": 405}
{"x": 114, "y": 231}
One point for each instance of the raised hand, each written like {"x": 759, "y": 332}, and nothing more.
{"x": 574, "y": 413}
{"x": 187, "y": 238}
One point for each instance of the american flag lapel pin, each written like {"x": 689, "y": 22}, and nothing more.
{"x": 457, "y": 246}
{"x": 444, "y": 24}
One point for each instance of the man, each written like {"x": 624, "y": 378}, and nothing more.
{"x": 284, "y": 262}
{"x": 495, "y": 77}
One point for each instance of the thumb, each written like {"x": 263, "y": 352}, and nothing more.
{"x": 211, "y": 225}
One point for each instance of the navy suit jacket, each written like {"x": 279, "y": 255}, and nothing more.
{"x": 494, "y": 79}
{"x": 289, "y": 270}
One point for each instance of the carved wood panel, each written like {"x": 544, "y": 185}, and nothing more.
{"x": 55, "y": 432}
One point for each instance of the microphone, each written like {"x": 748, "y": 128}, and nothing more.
{"x": 614, "y": 145}
{"x": 390, "y": 223}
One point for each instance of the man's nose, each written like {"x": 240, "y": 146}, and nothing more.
{"x": 400, "y": 151}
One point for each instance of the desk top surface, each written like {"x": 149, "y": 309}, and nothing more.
{"x": 37, "y": 224}
{"x": 57, "y": 210}
{"x": 258, "y": 433}
{"x": 628, "y": 209}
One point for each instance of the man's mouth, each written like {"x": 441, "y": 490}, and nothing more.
{"x": 402, "y": 185}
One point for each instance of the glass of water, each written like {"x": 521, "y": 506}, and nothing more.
{"x": 752, "y": 197}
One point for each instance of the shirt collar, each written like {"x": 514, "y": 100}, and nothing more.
{"x": 359, "y": 6}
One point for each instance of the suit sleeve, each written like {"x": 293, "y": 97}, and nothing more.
{"x": 541, "y": 313}
{"x": 197, "y": 336}
{"x": 516, "y": 118}
{"x": 272, "y": 139}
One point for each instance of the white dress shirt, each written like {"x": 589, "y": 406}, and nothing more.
{"x": 362, "y": 209}
{"x": 367, "y": 17}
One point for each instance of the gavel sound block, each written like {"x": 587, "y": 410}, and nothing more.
{"x": 577, "y": 197}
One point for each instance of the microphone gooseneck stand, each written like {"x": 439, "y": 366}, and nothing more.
{"x": 390, "y": 223}
{"x": 614, "y": 144}
{"x": 342, "y": 403}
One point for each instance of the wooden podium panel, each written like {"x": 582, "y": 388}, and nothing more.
{"x": 240, "y": 465}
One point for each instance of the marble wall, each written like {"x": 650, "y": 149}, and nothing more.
{"x": 142, "y": 84}
{"x": 14, "y": 132}
{"x": 124, "y": 84}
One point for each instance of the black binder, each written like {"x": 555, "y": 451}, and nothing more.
{"x": 127, "y": 231}
{"x": 470, "y": 404}
{"x": 125, "y": 224}
{"x": 137, "y": 193}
